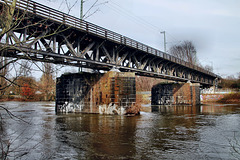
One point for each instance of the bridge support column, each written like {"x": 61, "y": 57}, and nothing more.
{"x": 176, "y": 94}
{"x": 110, "y": 93}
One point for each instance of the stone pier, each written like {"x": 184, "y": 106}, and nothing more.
{"x": 109, "y": 93}
{"x": 176, "y": 94}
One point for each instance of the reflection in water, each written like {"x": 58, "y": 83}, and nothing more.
{"x": 99, "y": 136}
{"x": 214, "y": 108}
{"x": 177, "y": 109}
{"x": 171, "y": 132}
{"x": 219, "y": 108}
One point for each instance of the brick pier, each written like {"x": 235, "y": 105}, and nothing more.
{"x": 109, "y": 93}
{"x": 176, "y": 94}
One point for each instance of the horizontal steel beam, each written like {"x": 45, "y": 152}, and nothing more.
{"x": 24, "y": 53}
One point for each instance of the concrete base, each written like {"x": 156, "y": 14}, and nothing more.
{"x": 110, "y": 93}
{"x": 176, "y": 94}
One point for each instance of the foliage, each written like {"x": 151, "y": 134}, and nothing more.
{"x": 27, "y": 91}
{"x": 28, "y": 88}
{"x": 24, "y": 82}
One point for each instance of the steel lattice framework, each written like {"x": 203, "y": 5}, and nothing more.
{"x": 45, "y": 34}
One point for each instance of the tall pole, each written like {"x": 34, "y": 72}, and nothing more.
{"x": 81, "y": 11}
{"x": 164, "y": 34}
{"x": 81, "y": 18}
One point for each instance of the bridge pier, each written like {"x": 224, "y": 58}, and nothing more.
{"x": 109, "y": 93}
{"x": 176, "y": 94}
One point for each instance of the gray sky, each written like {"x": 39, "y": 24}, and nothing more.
{"x": 212, "y": 25}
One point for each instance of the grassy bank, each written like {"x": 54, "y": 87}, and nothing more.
{"x": 231, "y": 98}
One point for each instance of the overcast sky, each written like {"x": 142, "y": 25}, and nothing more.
{"x": 212, "y": 25}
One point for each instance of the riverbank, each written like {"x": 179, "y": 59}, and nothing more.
{"x": 21, "y": 100}
{"x": 14, "y": 99}
{"x": 233, "y": 98}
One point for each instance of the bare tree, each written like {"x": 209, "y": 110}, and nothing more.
{"x": 3, "y": 73}
{"x": 208, "y": 68}
{"x": 47, "y": 82}
{"x": 185, "y": 51}
{"x": 12, "y": 19}
{"x": 6, "y": 17}
{"x": 89, "y": 12}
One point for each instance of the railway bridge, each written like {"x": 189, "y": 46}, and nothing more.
{"x": 41, "y": 33}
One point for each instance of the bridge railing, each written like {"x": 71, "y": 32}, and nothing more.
{"x": 66, "y": 19}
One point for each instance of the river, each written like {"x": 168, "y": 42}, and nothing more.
{"x": 175, "y": 132}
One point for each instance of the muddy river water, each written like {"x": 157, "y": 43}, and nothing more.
{"x": 206, "y": 132}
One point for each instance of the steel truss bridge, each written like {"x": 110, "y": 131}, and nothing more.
{"x": 48, "y": 35}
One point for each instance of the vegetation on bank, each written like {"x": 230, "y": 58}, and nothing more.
{"x": 231, "y": 82}
{"x": 27, "y": 88}
{"x": 231, "y": 98}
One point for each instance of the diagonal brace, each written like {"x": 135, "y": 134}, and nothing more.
{"x": 122, "y": 58}
{"x": 107, "y": 53}
{"x": 70, "y": 47}
{"x": 84, "y": 52}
